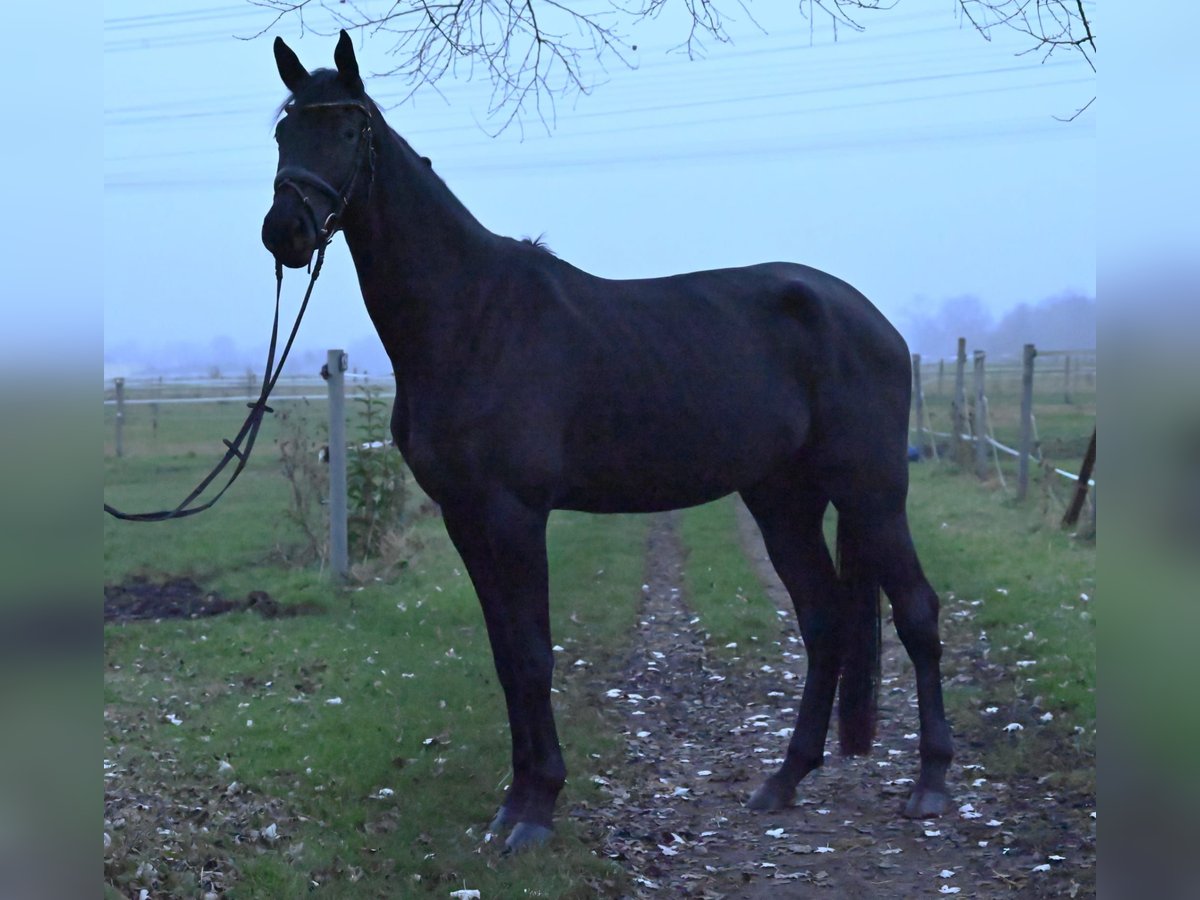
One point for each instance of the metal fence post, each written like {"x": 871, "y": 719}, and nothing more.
{"x": 119, "y": 386}
{"x": 1026, "y": 420}
{"x": 333, "y": 373}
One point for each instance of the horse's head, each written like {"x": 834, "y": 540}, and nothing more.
{"x": 325, "y": 153}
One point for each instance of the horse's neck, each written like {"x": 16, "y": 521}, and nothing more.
{"x": 412, "y": 233}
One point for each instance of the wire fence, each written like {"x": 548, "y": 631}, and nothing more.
{"x": 1006, "y": 418}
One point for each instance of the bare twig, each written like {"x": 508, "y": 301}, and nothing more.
{"x": 1051, "y": 25}
{"x": 535, "y": 52}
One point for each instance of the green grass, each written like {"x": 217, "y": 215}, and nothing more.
{"x": 421, "y": 711}
{"x": 421, "y": 714}
{"x": 722, "y": 586}
{"x": 1020, "y": 581}
{"x": 1004, "y": 573}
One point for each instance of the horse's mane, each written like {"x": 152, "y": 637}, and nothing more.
{"x": 538, "y": 243}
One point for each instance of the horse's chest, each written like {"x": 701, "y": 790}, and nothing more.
{"x": 442, "y": 458}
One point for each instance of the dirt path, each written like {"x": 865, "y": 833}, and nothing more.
{"x": 701, "y": 735}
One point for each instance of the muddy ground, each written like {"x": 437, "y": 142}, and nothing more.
{"x": 181, "y": 598}
{"x": 702, "y": 733}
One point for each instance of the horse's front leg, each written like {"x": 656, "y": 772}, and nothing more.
{"x": 503, "y": 545}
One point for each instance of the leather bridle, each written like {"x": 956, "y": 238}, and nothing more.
{"x": 297, "y": 179}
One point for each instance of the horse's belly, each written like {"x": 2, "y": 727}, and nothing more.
{"x": 656, "y": 471}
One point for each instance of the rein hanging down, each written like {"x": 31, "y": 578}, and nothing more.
{"x": 296, "y": 179}
{"x": 241, "y": 446}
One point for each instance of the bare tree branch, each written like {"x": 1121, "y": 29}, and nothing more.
{"x": 536, "y": 52}
{"x": 1051, "y": 25}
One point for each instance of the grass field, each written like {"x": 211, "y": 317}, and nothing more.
{"x": 226, "y": 728}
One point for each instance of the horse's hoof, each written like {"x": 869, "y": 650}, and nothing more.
{"x": 770, "y": 796}
{"x": 526, "y": 836}
{"x": 503, "y": 819}
{"x": 926, "y": 803}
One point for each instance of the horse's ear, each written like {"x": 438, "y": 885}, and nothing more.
{"x": 290, "y": 69}
{"x": 347, "y": 65}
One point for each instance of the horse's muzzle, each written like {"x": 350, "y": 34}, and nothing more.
{"x": 288, "y": 231}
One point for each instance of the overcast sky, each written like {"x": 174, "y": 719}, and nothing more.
{"x": 915, "y": 160}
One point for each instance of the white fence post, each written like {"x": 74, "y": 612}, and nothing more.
{"x": 333, "y": 372}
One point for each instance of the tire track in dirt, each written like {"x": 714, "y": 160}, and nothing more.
{"x": 702, "y": 733}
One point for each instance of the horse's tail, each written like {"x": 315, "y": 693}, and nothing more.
{"x": 859, "y": 646}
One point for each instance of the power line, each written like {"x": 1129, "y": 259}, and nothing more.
{"x": 676, "y": 124}
{"x": 889, "y": 140}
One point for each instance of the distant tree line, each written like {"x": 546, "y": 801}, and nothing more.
{"x": 1065, "y": 322}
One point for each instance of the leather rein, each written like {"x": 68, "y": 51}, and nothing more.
{"x": 296, "y": 179}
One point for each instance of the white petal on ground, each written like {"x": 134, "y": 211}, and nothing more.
{"x": 1014, "y": 726}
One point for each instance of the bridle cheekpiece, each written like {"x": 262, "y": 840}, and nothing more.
{"x": 298, "y": 178}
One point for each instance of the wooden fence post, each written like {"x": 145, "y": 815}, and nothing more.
{"x": 1067, "y": 380}
{"x": 1026, "y": 447}
{"x": 981, "y": 443}
{"x": 1071, "y": 517}
{"x": 119, "y": 386}
{"x": 333, "y": 373}
{"x": 941, "y": 375}
{"x": 958, "y": 406}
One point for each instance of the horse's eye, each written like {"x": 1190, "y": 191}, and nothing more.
{"x": 349, "y": 134}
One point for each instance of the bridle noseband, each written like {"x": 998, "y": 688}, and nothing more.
{"x": 297, "y": 178}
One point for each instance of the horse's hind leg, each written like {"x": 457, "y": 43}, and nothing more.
{"x": 888, "y": 543}
{"x": 789, "y": 517}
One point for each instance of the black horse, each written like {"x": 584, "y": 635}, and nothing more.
{"x": 525, "y": 385}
